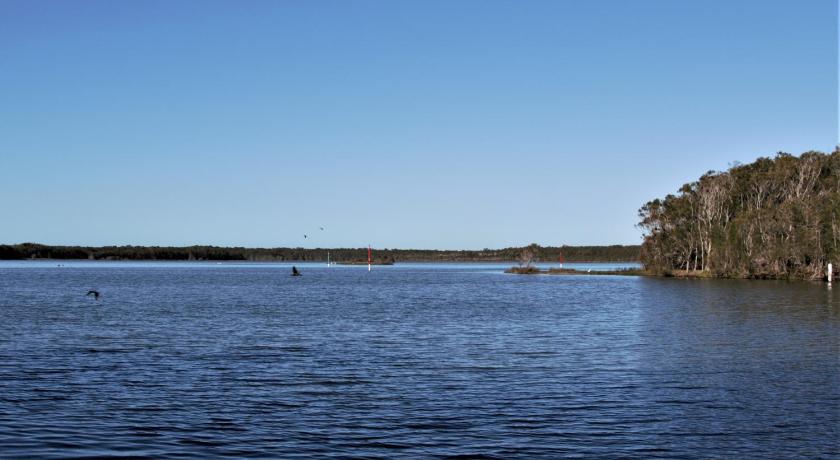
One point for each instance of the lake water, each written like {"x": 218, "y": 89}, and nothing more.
{"x": 411, "y": 361}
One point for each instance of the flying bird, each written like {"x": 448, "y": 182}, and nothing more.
{"x": 304, "y": 235}
{"x": 95, "y": 294}
{"x": 322, "y": 228}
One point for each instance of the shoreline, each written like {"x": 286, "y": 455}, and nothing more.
{"x": 24, "y": 251}
{"x": 324, "y": 261}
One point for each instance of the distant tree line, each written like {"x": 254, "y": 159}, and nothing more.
{"x": 215, "y": 253}
{"x": 774, "y": 218}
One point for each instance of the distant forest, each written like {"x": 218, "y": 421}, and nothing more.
{"x": 774, "y": 218}
{"x": 545, "y": 254}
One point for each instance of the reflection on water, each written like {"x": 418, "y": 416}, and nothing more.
{"x": 412, "y": 361}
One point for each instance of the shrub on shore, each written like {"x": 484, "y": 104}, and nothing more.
{"x": 529, "y": 270}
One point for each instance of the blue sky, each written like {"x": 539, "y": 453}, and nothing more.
{"x": 412, "y": 124}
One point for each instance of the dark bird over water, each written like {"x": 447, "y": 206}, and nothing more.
{"x": 295, "y": 271}
{"x": 95, "y": 294}
{"x": 304, "y": 236}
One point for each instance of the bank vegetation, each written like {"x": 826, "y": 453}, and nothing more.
{"x": 215, "y": 253}
{"x": 775, "y": 218}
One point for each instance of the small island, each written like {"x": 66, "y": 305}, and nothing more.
{"x": 530, "y": 254}
{"x": 532, "y": 270}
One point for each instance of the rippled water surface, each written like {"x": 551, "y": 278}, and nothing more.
{"x": 203, "y": 360}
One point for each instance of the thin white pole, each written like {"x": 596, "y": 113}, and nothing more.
{"x": 830, "y": 273}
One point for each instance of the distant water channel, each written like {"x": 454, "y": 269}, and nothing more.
{"x": 411, "y": 361}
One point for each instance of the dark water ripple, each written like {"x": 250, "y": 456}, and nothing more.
{"x": 196, "y": 361}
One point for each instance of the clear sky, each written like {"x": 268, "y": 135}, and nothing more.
{"x": 412, "y": 124}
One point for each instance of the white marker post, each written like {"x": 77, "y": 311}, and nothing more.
{"x": 830, "y": 273}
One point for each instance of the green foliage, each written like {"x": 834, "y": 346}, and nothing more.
{"x": 773, "y": 218}
{"x": 546, "y": 254}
